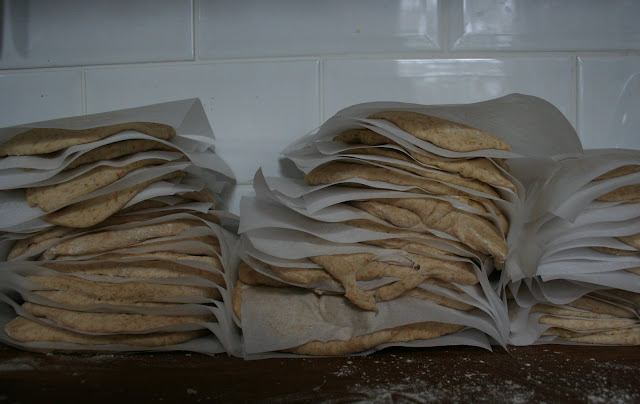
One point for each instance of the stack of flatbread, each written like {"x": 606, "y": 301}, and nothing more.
{"x": 587, "y": 278}
{"x": 113, "y": 240}
{"x": 397, "y": 225}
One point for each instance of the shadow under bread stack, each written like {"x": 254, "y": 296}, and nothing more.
{"x": 390, "y": 238}
{"x": 111, "y": 235}
{"x": 586, "y": 287}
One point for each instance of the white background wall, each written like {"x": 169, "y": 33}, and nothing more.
{"x": 269, "y": 71}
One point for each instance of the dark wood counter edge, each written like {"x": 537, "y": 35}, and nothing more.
{"x": 546, "y": 373}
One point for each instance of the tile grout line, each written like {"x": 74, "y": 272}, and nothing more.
{"x": 576, "y": 88}
{"x": 195, "y": 28}
{"x": 429, "y": 55}
{"x": 83, "y": 89}
{"x": 320, "y": 84}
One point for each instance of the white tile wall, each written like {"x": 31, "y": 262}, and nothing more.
{"x": 39, "y": 96}
{"x": 79, "y": 32}
{"x": 609, "y": 101}
{"x": 259, "y": 28}
{"x": 544, "y": 25}
{"x": 297, "y": 62}
{"x": 256, "y": 109}
{"x": 445, "y": 81}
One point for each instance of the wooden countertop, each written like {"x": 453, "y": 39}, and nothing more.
{"x": 548, "y": 373}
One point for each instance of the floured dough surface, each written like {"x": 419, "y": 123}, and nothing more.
{"x": 25, "y": 330}
{"x": 441, "y": 132}
{"x": 48, "y": 140}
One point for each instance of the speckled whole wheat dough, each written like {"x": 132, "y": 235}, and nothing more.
{"x": 480, "y": 169}
{"x": 110, "y": 322}
{"x": 622, "y": 336}
{"x": 24, "y": 330}
{"x": 331, "y": 173}
{"x": 146, "y": 269}
{"x": 470, "y": 229}
{"x": 48, "y": 140}
{"x": 346, "y": 268}
{"x": 405, "y": 333}
{"x": 114, "y": 239}
{"x": 122, "y": 291}
{"x": 52, "y": 197}
{"x": 632, "y": 240}
{"x": 93, "y": 211}
{"x": 441, "y": 132}
{"x": 619, "y": 172}
{"x": 118, "y": 149}
{"x": 622, "y": 194}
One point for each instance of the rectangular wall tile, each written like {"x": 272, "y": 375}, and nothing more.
{"x": 609, "y": 101}
{"x": 544, "y": 25}
{"x": 40, "y": 33}
{"x": 445, "y": 81}
{"x": 256, "y": 109}
{"x": 258, "y": 28}
{"x": 39, "y": 96}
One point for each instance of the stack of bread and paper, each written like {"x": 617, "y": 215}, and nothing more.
{"x": 585, "y": 225}
{"x": 111, "y": 233}
{"x": 390, "y": 235}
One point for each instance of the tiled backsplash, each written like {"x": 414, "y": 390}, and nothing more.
{"x": 269, "y": 71}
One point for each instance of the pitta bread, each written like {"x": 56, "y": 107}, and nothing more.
{"x": 52, "y": 197}
{"x": 122, "y": 291}
{"x": 110, "y": 322}
{"x": 95, "y": 210}
{"x": 619, "y": 172}
{"x": 472, "y": 230}
{"x": 24, "y": 330}
{"x": 622, "y": 194}
{"x": 114, "y": 239}
{"x": 614, "y": 251}
{"x": 441, "y": 132}
{"x": 48, "y": 140}
{"x": 410, "y": 332}
{"x": 480, "y": 169}
{"x": 117, "y": 149}
{"x": 334, "y": 172}
{"x": 348, "y": 269}
{"x": 623, "y": 336}
{"x": 632, "y": 240}
{"x": 148, "y": 269}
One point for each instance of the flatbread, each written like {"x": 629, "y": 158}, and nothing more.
{"x": 619, "y": 172}
{"x": 111, "y": 322}
{"x": 441, "y": 132}
{"x": 52, "y": 197}
{"x": 118, "y": 149}
{"x": 249, "y": 276}
{"x": 614, "y": 251}
{"x": 623, "y": 336}
{"x": 410, "y": 332}
{"x": 103, "y": 241}
{"x": 136, "y": 270}
{"x": 38, "y": 240}
{"x": 480, "y": 169}
{"x": 586, "y": 324}
{"x": 470, "y": 229}
{"x": 331, "y": 173}
{"x": 122, "y": 291}
{"x": 48, "y": 140}
{"x": 632, "y": 240}
{"x": 622, "y": 194}
{"x": 93, "y": 211}
{"x": 25, "y": 330}
{"x": 348, "y": 269}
